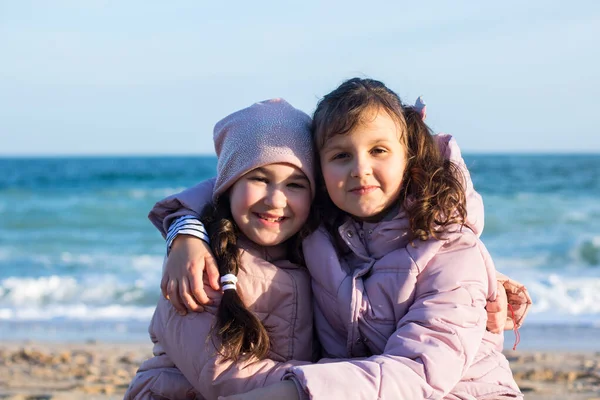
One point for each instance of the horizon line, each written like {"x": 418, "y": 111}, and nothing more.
{"x": 189, "y": 155}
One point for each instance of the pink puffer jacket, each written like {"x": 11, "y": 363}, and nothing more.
{"x": 396, "y": 319}
{"x": 412, "y": 312}
{"x": 186, "y": 363}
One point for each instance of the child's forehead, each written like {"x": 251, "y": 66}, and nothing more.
{"x": 377, "y": 116}
{"x": 373, "y": 125}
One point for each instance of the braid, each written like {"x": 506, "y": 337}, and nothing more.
{"x": 240, "y": 331}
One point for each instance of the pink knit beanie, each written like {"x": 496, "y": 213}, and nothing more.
{"x": 268, "y": 132}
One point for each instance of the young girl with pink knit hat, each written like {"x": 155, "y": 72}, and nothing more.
{"x": 259, "y": 211}
{"x": 400, "y": 278}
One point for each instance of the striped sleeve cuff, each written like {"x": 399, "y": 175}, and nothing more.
{"x": 186, "y": 225}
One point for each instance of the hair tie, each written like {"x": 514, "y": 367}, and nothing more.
{"x": 229, "y": 281}
{"x": 421, "y": 107}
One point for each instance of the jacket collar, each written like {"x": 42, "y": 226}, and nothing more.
{"x": 375, "y": 239}
{"x": 267, "y": 253}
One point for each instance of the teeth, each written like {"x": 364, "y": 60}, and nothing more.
{"x": 271, "y": 219}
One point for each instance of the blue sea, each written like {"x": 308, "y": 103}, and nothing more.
{"x": 79, "y": 259}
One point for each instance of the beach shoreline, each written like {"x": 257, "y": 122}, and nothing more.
{"x": 102, "y": 370}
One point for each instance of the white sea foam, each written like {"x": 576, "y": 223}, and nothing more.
{"x": 104, "y": 297}
{"x": 136, "y": 287}
{"x": 562, "y": 298}
{"x": 145, "y": 263}
{"x": 69, "y": 258}
{"x": 77, "y": 312}
{"x": 559, "y": 298}
{"x": 84, "y": 262}
{"x": 120, "y": 286}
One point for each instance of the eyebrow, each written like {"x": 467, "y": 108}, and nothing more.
{"x": 299, "y": 176}
{"x": 330, "y": 148}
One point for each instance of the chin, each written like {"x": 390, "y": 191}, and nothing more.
{"x": 268, "y": 242}
{"x": 364, "y": 214}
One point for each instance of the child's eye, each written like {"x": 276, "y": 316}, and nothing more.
{"x": 259, "y": 179}
{"x": 379, "y": 150}
{"x": 340, "y": 156}
{"x": 296, "y": 185}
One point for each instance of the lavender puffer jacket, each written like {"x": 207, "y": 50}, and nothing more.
{"x": 186, "y": 364}
{"x": 412, "y": 312}
{"x": 397, "y": 319}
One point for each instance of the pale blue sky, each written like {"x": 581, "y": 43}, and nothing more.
{"x": 152, "y": 77}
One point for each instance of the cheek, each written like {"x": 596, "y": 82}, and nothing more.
{"x": 399, "y": 175}
{"x": 392, "y": 174}
{"x": 332, "y": 177}
{"x": 301, "y": 205}
{"x": 240, "y": 202}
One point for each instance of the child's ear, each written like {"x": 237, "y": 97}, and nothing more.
{"x": 421, "y": 107}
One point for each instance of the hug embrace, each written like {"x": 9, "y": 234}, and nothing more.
{"x": 332, "y": 258}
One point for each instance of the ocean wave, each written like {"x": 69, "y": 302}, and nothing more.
{"x": 26, "y": 260}
{"x": 77, "y": 312}
{"x": 558, "y": 297}
{"x": 588, "y": 251}
{"x": 92, "y": 298}
{"x": 94, "y": 290}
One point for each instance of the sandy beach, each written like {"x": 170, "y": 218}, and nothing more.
{"x": 57, "y": 371}
{"x": 100, "y": 370}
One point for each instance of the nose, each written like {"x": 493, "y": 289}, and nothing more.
{"x": 361, "y": 167}
{"x": 276, "y": 198}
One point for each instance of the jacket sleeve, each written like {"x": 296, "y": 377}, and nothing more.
{"x": 187, "y": 341}
{"x": 188, "y": 202}
{"x": 475, "y": 210}
{"x": 434, "y": 344}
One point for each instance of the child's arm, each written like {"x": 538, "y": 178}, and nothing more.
{"x": 177, "y": 218}
{"x": 189, "y": 257}
{"x": 191, "y": 201}
{"x": 182, "y": 281}
{"x": 434, "y": 343}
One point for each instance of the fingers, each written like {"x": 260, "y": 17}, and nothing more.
{"x": 182, "y": 282}
{"x": 492, "y": 306}
{"x": 173, "y": 296}
{"x": 495, "y": 322}
{"x": 201, "y": 290}
{"x": 212, "y": 272}
{"x": 497, "y": 311}
{"x": 186, "y": 296}
{"x": 213, "y": 295}
{"x": 163, "y": 286}
{"x": 509, "y": 325}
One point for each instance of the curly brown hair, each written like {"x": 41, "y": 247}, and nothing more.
{"x": 432, "y": 194}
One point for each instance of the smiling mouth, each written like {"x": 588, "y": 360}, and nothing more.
{"x": 363, "y": 189}
{"x": 270, "y": 218}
